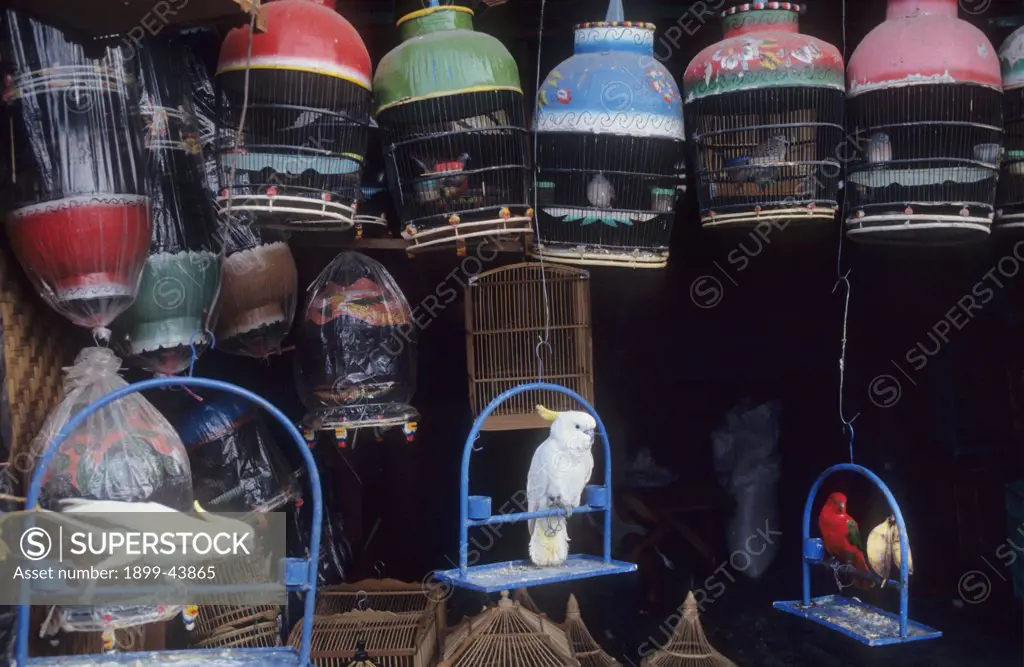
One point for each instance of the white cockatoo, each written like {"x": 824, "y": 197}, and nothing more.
{"x": 560, "y": 470}
{"x": 883, "y": 550}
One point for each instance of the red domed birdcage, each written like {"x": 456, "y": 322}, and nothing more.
{"x": 305, "y": 90}
{"x": 925, "y": 110}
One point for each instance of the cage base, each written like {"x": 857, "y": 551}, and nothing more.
{"x": 238, "y": 657}
{"x": 919, "y": 229}
{"x": 514, "y": 422}
{"x": 497, "y": 577}
{"x": 868, "y": 625}
{"x": 754, "y": 218}
{"x": 457, "y": 233}
{"x": 594, "y": 256}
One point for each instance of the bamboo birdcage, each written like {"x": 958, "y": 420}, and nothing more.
{"x": 584, "y": 647}
{"x": 688, "y": 646}
{"x": 505, "y": 322}
{"x": 397, "y": 622}
{"x": 521, "y": 637}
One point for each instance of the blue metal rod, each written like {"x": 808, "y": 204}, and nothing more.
{"x": 32, "y": 498}
{"x": 467, "y": 452}
{"x": 904, "y": 583}
{"x": 517, "y": 517}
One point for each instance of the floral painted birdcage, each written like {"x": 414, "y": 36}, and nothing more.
{"x": 450, "y": 109}
{"x": 765, "y": 111}
{"x": 609, "y": 137}
{"x": 171, "y": 321}
{"x": 80, "y": 223}
{"x": 521, "y": 637}
{"x": 1010, "y": 192}
{"x": 304, "y": 90}
{"x": 925, "y": 115}
{"x": 505, "y": 324}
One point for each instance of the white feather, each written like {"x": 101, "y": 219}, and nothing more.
{"x": 600, "y": 192}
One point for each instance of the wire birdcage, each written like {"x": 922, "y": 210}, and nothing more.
{"x": 765, "y": 112}
{"x": 1010, "y": 191}
{"x": 454, "y": 135}
{"x": 396, "y": 621}
{"x": 584, "y": 647}
{"x": 688, "y": 646}
{"x": 925, "y": 117}
{"x": 505, "y": 320}
{"x": 306, "y": 103}
{"x": 521, "y": 637}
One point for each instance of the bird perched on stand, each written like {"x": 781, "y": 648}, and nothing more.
{"x": 452, "y": 183}
{"x": 879, "y": 148}
{"x": 761, "y": 166}
{"x": 841, "y": 535}
{"x": 883, "y": 550}
{"x": 600, "y": 192}
{"x": 559, "y": 471}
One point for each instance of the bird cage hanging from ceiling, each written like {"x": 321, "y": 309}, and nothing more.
{"x": 1010, "y": 191}
{"x": 304, "y": 89}
{"x": 584, "y": 647}
{"x": 925, "y": 114}
{"x": 765, "y": 111}
{"x": 609, "y": 126}
{"x": 398, "y": 623}
{"x": 688, "y": 646}
{"x": 505, "y": 322}
{"x": 521, "y": 637}
{"x": 450, "y": 109}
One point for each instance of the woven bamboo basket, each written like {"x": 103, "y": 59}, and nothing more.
{"x": 505, "y": 321}
{"x": 218, "y": 620}
{"x": 397, "y": 621}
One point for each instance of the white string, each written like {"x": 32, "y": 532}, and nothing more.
{"x": 541, "y": 342}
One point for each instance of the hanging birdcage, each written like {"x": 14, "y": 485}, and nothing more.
{"x": 688, "y": 646}
{"x": 925, "y": 115}
{"x": 505, "y": 319}
{"x": 170, "y": 322}
{"x": 521, "y": 637}
{"x": 584, "y": 647}
{"x": 1010, "y": 192}
{"x": 303, "y": 87}
{"x": 397, "y": 622}
{"x": 450, "y": 109}
{"x": 80, "y": 224}
{"x": 610, "y": 134}
{"x": 765, "y": 111}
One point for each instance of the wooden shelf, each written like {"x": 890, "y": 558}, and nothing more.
{"x": 110, "y": 18}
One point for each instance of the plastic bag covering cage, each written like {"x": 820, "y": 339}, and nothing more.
{"x": 450, "y": 109}
{"x": 610, "y": 132}
{"x": 505, "y": 317}
{"x": 127, "y": 451}
{"x": 925, "y": 116}
{"x": 300, "y": 572}
{"x": 236, "y": 464}
{"x": 258, "y": 293}
{"x": 171, "y": 319}
{"x": 298, "y": 163}
{"x": 80, "y": 224}
{"x": 1010, "y": 192}
{"x": 765, "y": 108}
{"x": 355, "y": 357}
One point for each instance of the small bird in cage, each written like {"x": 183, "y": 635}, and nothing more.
{"x": 879, "y": 148}
{"x": 761, "y": 166}
{"x": 841, "y": 535}
{"x": 883, "y": 550}
{"x": 560, "y": 470}
{"x": 600, "y": 192}
{"x": 452, "y": 183}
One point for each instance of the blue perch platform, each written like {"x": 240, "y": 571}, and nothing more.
{"x": 868, "y": 625}
{"x": 497, "y": 577}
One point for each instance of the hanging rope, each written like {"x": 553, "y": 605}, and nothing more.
{"x": 544, "y": 341}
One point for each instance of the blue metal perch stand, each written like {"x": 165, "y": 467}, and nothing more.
{"x": 299, "y": 573}
{"x": 475, "y": 511}
{"x": 855, "y": 619}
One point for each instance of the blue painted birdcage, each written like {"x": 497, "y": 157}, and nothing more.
{"x": 850, "y": 616}
{"x": 298, "y": 574}
{"x": 475, "y": 512}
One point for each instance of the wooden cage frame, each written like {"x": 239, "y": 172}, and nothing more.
{"x": 505, "y": 322}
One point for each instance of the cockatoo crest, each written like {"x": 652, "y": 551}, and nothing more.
{"x": 573, "y": 429}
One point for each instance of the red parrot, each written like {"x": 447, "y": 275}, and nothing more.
{"x": 841, "y": 535}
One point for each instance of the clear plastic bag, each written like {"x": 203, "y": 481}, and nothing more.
{"x": 259, "y": 291}
{"x": 171, "y": 320}
{"x": 81, "y": 221}
{"x": 356, "y": 355}
{"x": 236, "y": 464}
{"x": 103, "y": 619}
{"x": 126, "y": 451}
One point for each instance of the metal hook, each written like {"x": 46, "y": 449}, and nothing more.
{"x": 378, "y": 569}
{"x": 477, "y": 449}
{"x": 361, "y": 599}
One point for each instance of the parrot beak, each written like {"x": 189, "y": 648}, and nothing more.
{"x": 590, "y": 434}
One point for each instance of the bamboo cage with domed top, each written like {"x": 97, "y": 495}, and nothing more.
{"x": 688, "y": 646}
{"x": 584, "y": 647}
{"x": 505, "y": 324}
